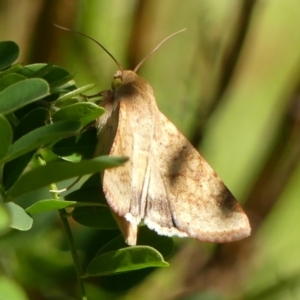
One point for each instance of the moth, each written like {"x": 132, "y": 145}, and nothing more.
{"x": 165, "y": 183}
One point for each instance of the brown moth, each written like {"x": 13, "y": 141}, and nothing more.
{"x": 166, "y": 182}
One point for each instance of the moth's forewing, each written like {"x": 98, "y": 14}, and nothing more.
{"x": 123, "y": 186}
{"x": 107, "y": 126}
{"x": 186, "y": 195}
{"x": 166, "y": 182}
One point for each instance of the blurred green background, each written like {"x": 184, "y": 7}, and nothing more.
{"x": 231, "y": 84}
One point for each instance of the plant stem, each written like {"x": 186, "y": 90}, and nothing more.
{"x": 76, "y": 260}
{"x": 66, "y": 225}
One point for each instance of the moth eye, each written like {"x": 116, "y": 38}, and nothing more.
{"x": 115, "y": 83}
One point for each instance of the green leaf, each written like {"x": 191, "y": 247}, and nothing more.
{"x": 22, "y": 93}
{"x": 5, "y": 219}
{"x": 95, "y": 217}
{"x": 85, "y": 112}
{"x": 9, "y": 289}
{"x": 20, "y": 219}
{"x": 42, "y": 72}
{"x": 13, "y": 69}
{"x": 72, "y": 158}
{"x": 60, "y": 170}
{"x": 9, "y": 80}
{"x": 48, "y": 205}
{"x": 14, "y": 168}
{"x": 41, "y": 136}
{"x": 147, "y": 237}
{"x": 67, "y": 102}
{"x": 125, "y": 260}
{"x": 9, "y": 52}
{"x": 56, "y": 85}
{"x": 76, "y": 92}
{"x": 56, "y": 73}
{"x": 54, "y": 204}
{"x": 6, "y": 136}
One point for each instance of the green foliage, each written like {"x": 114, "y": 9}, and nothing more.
{"x": 9, "y": 52}
{"x": 10, "y": 290}
{"x": 5, "y": 218}
{"x": 19, "y": 218}
{"x": 124, "y": 260}
{"x": 21, "y": 93}
{"x": 56, "y": 171}
{"x": 83, "y": 112}
{"x": 46, "y": 137}
{"x": 48, "y": 205}
{"x": 6, "y": 136}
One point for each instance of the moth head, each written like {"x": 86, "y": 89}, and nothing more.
{"x": 117, "y": 81}
{"x": 123, "y": 77}
{"x": 128, "y": 83}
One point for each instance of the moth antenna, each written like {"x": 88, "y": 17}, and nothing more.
{"x": 148, "y": 55}
{"x": 80, "y": 33}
